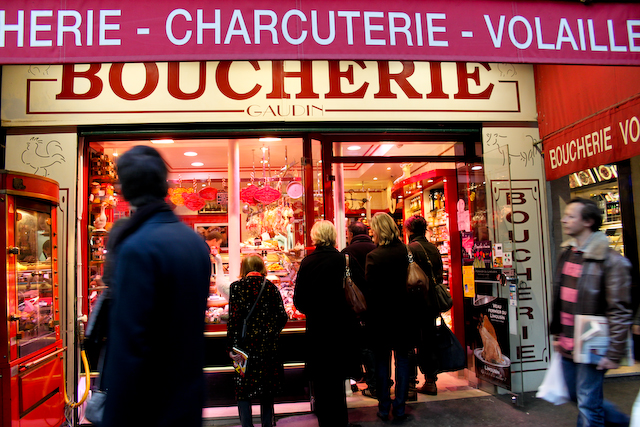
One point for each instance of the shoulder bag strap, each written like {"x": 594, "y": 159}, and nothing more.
{"x": 257, "y": 299}
{"x": 347, "y": 270}
{"x": 244, "y": 323}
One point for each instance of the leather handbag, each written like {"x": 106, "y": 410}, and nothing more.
{"x": 417, "y": 280}
{"x": 442, "y": 298}
{"x": 451, "y": 354}
{"x": 352, "y": 293}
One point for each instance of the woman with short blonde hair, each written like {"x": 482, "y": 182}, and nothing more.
{"x": 323, "y": 233}
{"x": 330, "y": 332}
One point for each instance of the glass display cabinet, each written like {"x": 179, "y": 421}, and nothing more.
{"x": 31, "y": 364}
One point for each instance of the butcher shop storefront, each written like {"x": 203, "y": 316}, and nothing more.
{"x": 270, "y": 119}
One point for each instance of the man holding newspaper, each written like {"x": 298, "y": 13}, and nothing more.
{"x": 591, "y": 312}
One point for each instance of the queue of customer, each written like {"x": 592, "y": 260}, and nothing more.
{"x": 144, "y": 264}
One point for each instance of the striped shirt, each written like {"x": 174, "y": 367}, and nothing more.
{"x": 571, "y": 271}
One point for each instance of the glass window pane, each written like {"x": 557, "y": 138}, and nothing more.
{"x": 34, "y": 288}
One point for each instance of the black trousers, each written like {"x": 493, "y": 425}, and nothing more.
{"x": 330, "y": 399}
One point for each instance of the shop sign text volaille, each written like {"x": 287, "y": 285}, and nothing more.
{"x": 50, "y": 31}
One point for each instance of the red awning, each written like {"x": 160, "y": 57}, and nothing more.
{"x": 607, "y": 137}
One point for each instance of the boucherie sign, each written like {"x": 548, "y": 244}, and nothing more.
{"x": 265, "y": 91}
{"x": 79, "y": 31}
{"x": 606, "y": 138}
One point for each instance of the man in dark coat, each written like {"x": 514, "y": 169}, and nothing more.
{"x": 155, "y": 345}
{"x": 416, "y": 227}
{"x": 360, "y": 244}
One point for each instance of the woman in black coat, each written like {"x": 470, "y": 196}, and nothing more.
{"x": 263, "y": 377}
{"x": 330, "y": 351}
{"x": 389, "y": 313}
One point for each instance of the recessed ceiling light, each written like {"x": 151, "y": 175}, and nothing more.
{"x": 429, "y": 180}
{"x": 354, "y": 148}
{"x": 476, "y": 168}
{"x": 162, "y": 141}
{"x": 389, "y": 168}
{"x": 197, "y": 164}
{"x": 270, "y": 139}
{"x": 444, "y": 180}
{"x": 375, "y": 178}
{"x": 399, "y": 197}
{"x": 190, "y": 154}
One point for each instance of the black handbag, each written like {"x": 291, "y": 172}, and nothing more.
{"x": 353, "y": 295}
{"x": 451, "y": 354}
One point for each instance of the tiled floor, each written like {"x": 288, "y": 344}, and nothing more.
{"x": 450, "y": 386}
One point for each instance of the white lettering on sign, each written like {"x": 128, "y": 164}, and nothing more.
{"x": 403, "y": 30}
{"x": 521, "y": 32}
{"x": 586, "y": 146}
{"x": 630, "y": 130}
{"x": 42, "y": 31}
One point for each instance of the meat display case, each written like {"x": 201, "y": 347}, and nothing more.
{"x": 31, "y": 361}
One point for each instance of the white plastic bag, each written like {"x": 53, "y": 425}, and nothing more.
{"x": 553, "y": 388}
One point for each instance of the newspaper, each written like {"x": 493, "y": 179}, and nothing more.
{"x": 240, "y": 367}
{"x": 591, "y": 340}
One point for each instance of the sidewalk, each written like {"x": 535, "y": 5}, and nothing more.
{"x": 468, "y": 408}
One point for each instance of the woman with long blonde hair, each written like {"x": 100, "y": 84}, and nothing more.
{"x": 389, "y": 313}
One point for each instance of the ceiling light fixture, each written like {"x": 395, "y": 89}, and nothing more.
{"x": 190, "y": 154}
{"x": 375, "y": 178}
{"x": 270, "y": 139}
{"x": 388, "y": 168}
{"x": 354, "y": 148}
{"x": 476, "y": 168}
{"x": 197, "y": 164}
{"x": 162, "y": 141}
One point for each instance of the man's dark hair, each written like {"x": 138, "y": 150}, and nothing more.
{"x": 416, "y": 224}
{"x": 357, "y": 228}
{"x": 214, "y": 234}
{"x": 590, "y": 211}
{"x": 143, "y": 175}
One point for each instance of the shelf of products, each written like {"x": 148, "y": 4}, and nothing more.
{"x": 607, "y": 197}
{"x": 282, "y": 268}
{"x": 101, "y": 202}
{"x": 438, "y": 226}
{"x": 35, "y": 304}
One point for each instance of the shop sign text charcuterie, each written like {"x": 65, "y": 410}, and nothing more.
{"x": 77, "y": 31}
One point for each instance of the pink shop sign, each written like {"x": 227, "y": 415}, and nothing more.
{"x": 78, "y": 31}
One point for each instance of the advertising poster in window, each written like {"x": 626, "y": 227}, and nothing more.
{"x": 492, "y": 353}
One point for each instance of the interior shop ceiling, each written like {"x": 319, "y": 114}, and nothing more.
{"x": 282, "y": 157}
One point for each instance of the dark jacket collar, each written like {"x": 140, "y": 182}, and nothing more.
{"x": 361, "y": 238}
